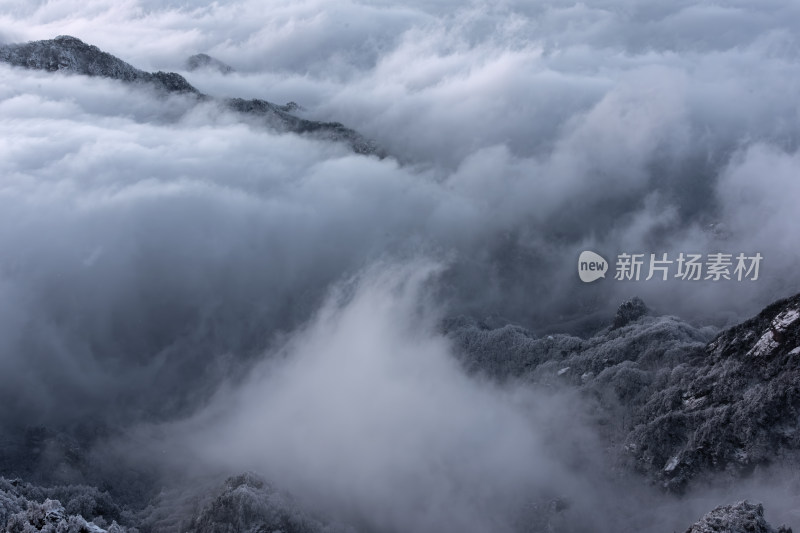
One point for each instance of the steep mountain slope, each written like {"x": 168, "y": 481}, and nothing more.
{"x": 679, "y": 403}
{"x": 66, "y": 53}
{"x": 734, "y": 407}
{"x": 682, "y": 404}
{"x": 69, "y": 54}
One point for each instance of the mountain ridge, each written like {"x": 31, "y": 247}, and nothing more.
{"x": 206, "y": 62}
{"x": 682, "y": 403}
{"x": 70, "y": 54}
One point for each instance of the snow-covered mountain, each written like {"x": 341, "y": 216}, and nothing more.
{"x": 671, "y": 407}
{"x": 69, "y": 54}
{"x": 678, "y": 403}
{"x": 682, "y": 405}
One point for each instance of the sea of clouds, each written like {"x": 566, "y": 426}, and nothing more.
{"x": 154, "y": 247}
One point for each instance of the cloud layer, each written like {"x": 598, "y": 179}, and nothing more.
{"x": 151, "y": 248}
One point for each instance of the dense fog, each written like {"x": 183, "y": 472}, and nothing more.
{"x": 229, "y": 298}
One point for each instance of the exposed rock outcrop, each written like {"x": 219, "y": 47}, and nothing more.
{"x": 732, "y": 408}
{"x": 743, "y": 517}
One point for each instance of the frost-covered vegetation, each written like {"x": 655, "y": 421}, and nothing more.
{"x": 682, "y": 401}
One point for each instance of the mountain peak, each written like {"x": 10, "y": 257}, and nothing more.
{"x": 206, "y": 62}
{"x": 68, "y": 39}
{"x": 70, "y": 54}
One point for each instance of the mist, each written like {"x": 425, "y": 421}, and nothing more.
{"x": 396, "y": 436}
{"x": 272, "y": 302}
{"x": 394, "y": 431}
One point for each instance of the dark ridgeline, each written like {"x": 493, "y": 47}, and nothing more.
{"x": 69, "y": 54}
{"x": 206, "y": 62}
{"x": 65, "y": 53}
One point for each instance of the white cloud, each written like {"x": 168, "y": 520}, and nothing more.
{"x": 147, "y": 242}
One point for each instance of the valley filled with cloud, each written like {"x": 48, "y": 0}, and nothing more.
{"x": 357, "y": 284}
